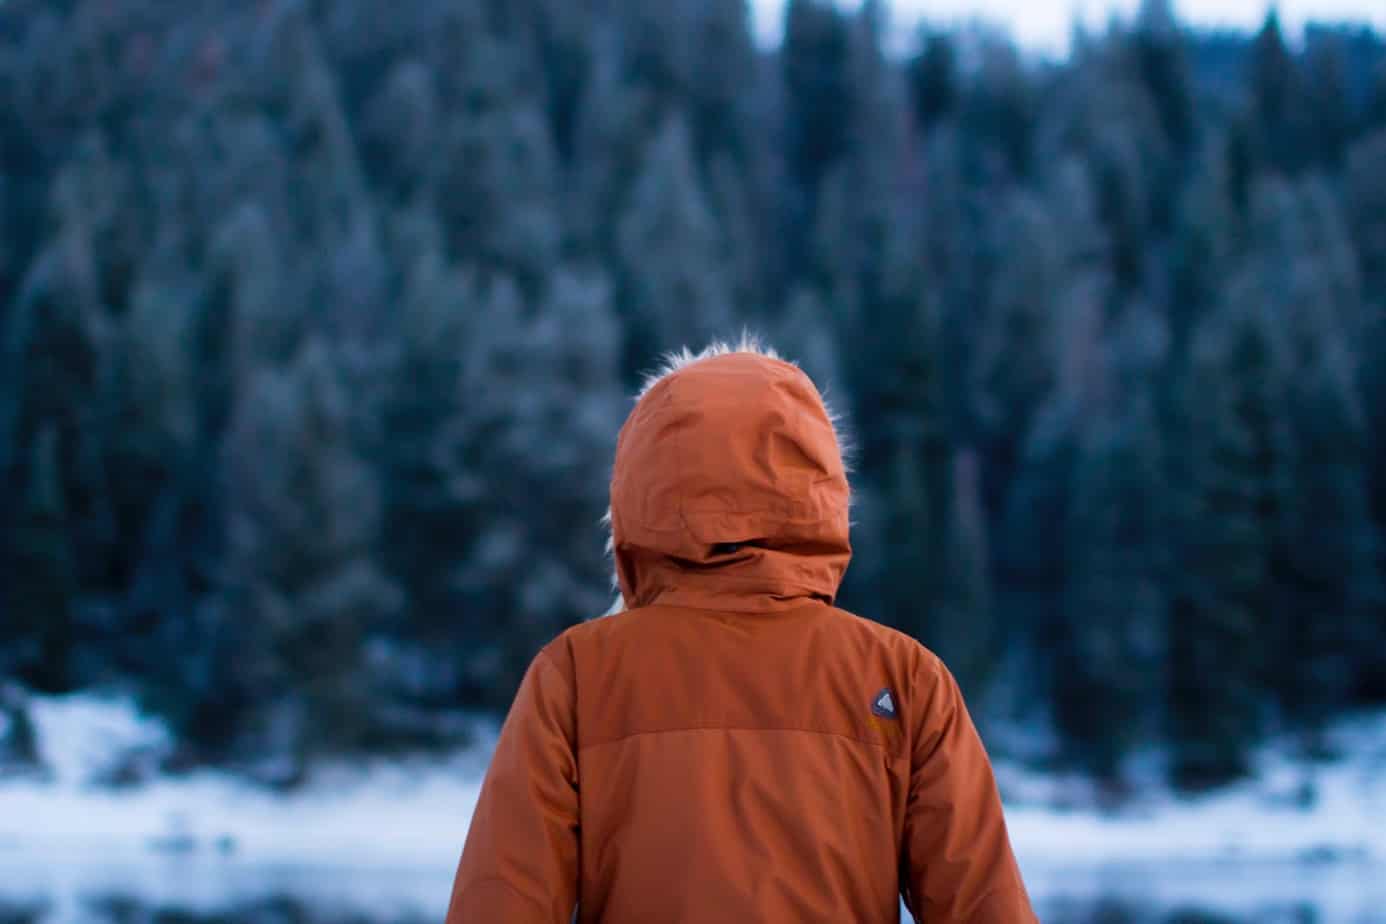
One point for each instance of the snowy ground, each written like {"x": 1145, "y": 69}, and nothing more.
{"x": 1289, "y": 812}
{"x": 406, "y": 811}
{"x": 383, "y": 839}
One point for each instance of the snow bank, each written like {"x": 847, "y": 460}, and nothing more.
{"x": 379, "y": 813}
{"x": 1289, "y": 812}
{"x": 416, "y": 812}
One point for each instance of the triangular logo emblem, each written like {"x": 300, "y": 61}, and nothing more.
{"x": 884, "y": 704}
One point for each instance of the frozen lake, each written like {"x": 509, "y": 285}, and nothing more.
{"x": 97, "y": 888}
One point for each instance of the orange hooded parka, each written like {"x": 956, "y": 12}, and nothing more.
{"x": 730, "y": 747}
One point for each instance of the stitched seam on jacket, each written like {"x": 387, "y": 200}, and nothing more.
{"x": 988, "y": 895}
{"x": 754, "y": 728}
{"x": 509, "y": 887}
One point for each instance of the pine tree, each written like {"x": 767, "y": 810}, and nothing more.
{"x": 1029, "y": 481}
{"x": 1304, "y": 257}
{"x": 610, "y": 141}
{"x": 41, "y": 592}
{"x": 54, "y": 350}
{"x": 963, "y": 627}
{"x": 1329, "y": 100}
{"x": 1276, "y": 99}
{"x": 1206, "y": 230}
{"x": 868, "y": 252}
{"x": 424, "y": 497}
{"x": 532, "y": 567}
{"x": 1365, "y": 204}
{"x": 671, "y": 255}
{"x": 301, "y": 589}
{"x": 997, "y": 114}
{"x": 148, "y": 420}
{"x": 905, "y": 450}
{"x": 486, "y": 537}
{"x": 1372, "y": 685}
{"x": 566, "y": 53}
{"x": 1226, "y": 612}
{"x": 953, "y": 261}
{"x": 1333, "y": 576}
{"x": 252, "y": 313}
{"x": 817, "y": 85}
{"x": 816, "y": 79}
{"x": 497, "y": 186}
{"x": 733, "y": 199}
{"x": 1162, "y": 62}
{"x": 723, "y": 72}
{"x": 1116, "y": 125}
{"x": 1016, "y": 359}
{"x": 865, "y": 242}
{"x": 1110, "y": 662}
{"x": 933, "y": 79}
{"x": 1032, "y": 551}
{"x": 1374, "y": 108}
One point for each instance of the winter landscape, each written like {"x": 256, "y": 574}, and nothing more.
{"x": 318, "y": 321}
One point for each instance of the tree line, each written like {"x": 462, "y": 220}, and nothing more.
{"x": 318, "y": 319}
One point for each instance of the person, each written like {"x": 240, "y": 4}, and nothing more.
{"x": 729, "y": 747}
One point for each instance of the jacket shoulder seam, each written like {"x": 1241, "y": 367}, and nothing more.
{"x": 549, "y": 658}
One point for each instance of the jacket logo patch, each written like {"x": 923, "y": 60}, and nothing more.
{"x": 884, "y": 704}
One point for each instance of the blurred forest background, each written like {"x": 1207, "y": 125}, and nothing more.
{"x": 318, "y": 320}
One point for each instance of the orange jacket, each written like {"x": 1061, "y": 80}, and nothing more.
{"x": 731, "y": 748}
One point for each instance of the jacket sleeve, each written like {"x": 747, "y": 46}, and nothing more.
{"x": 957, "y": 865}
{"x": 520, "y": 862}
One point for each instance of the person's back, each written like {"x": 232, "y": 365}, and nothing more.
{"x": 731, "y": 747}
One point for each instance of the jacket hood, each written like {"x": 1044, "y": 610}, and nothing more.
{"x": 729, "y": 490}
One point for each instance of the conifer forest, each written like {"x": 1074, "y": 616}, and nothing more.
{"x": 318, "y": 319}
